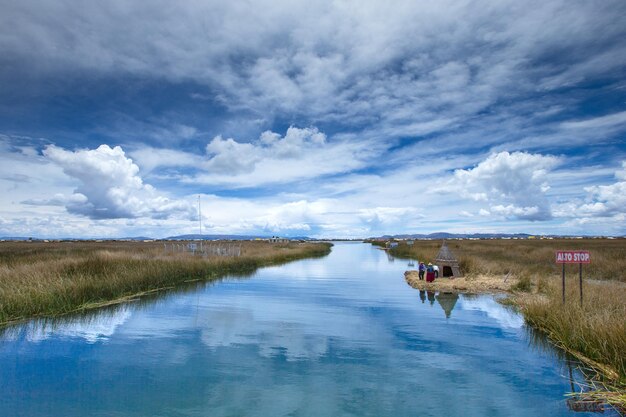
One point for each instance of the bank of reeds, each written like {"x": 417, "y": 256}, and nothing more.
{"x": 594, "y": 332}
{"x": 46, "y": 279}
{"x": 595, "y": 329}
{"x": 529, "y": 256}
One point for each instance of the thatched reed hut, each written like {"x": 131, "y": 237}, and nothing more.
{"x": 447, "y": 262}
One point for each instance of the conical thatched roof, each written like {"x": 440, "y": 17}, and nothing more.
{"x": 447, "y": 301}
{"x": 445, "y": 255}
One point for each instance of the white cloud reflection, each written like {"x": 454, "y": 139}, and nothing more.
{"x": 503, "y": 316}
{"x": 92, "y": 328}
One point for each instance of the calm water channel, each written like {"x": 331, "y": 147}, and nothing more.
{"x": 342, "y": 335}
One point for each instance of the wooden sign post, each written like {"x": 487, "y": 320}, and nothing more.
{"x": 579, "y": 257}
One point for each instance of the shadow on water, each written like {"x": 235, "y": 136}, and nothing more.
{"x": 446, "y": 300}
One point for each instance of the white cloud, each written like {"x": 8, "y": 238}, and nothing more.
{"x": 110, "y": 186}
{"x": 230, "y": 157}
{"x": 399, "y": 68}
{"x": 514, "y": 184}
{"x": 57, "y": 200}
{"x": 410, "y": 94}
{"x": 610, "y": 120}
{"x": 149, "y": 158}
{"x": 601, "y": 200}
{"x": 301, "y": 154}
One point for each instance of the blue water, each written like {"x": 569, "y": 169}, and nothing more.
{"x": 342, "y": 335}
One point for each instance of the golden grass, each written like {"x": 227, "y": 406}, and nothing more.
{"x": 44, "y": 279}
{"x": 525, "y": 257}
{"x": 595, "y": 329}
{"x": 594, "y": 332}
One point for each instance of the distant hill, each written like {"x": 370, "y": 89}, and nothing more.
{"x": 228, "y": 237}
{"x": 443, "y": 235}
{"x": 141, "y": 238}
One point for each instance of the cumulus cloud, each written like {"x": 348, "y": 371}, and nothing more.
{"x": 394, "y": 88}
{"x": 109, "y": 186}
{"x": 601, "y": 200}
{"x": 513, "y": 184}
{"x": 299, "y": 154}
{"x": 231, "y": 157}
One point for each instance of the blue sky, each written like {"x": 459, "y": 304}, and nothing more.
{"x": 326, "y": 119}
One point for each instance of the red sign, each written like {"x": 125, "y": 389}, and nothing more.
{"x": 573, "y": 257}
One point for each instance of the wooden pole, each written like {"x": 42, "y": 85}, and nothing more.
{"x": 563, "y": 281}
{"x": 580, "y": 280}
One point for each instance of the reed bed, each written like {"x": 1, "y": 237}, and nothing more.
{"x": 525, "y": 257}
{"x": 46, "y": 279}
{"x": 595, "y": 331}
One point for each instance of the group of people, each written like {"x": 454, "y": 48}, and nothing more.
{"x": 431, "y": 271}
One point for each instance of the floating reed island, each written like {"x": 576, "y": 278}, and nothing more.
{"x": 474, "y": 284}
{"x": 41, "y": 279}
{"x": 594, "y": 331}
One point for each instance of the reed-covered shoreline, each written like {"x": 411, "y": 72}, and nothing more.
{"x": 40, "y": 279}
{"x": 594, "y": 331}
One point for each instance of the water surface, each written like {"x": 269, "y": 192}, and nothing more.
{"x": 342, "y": 335}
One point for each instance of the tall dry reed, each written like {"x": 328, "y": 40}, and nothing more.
{"x": 525, "y": 257}
{"x": 38, "y": 279}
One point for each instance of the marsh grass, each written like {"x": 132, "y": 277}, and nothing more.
{"x": 523, "y": 284}
{"x": 595, "y": 329}
{"x": 47, "y": 279}
{"x": 594, "y": 332}
{"x": 530, "y": 256}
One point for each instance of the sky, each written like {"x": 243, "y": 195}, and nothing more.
{"x": 301, "y": 118}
